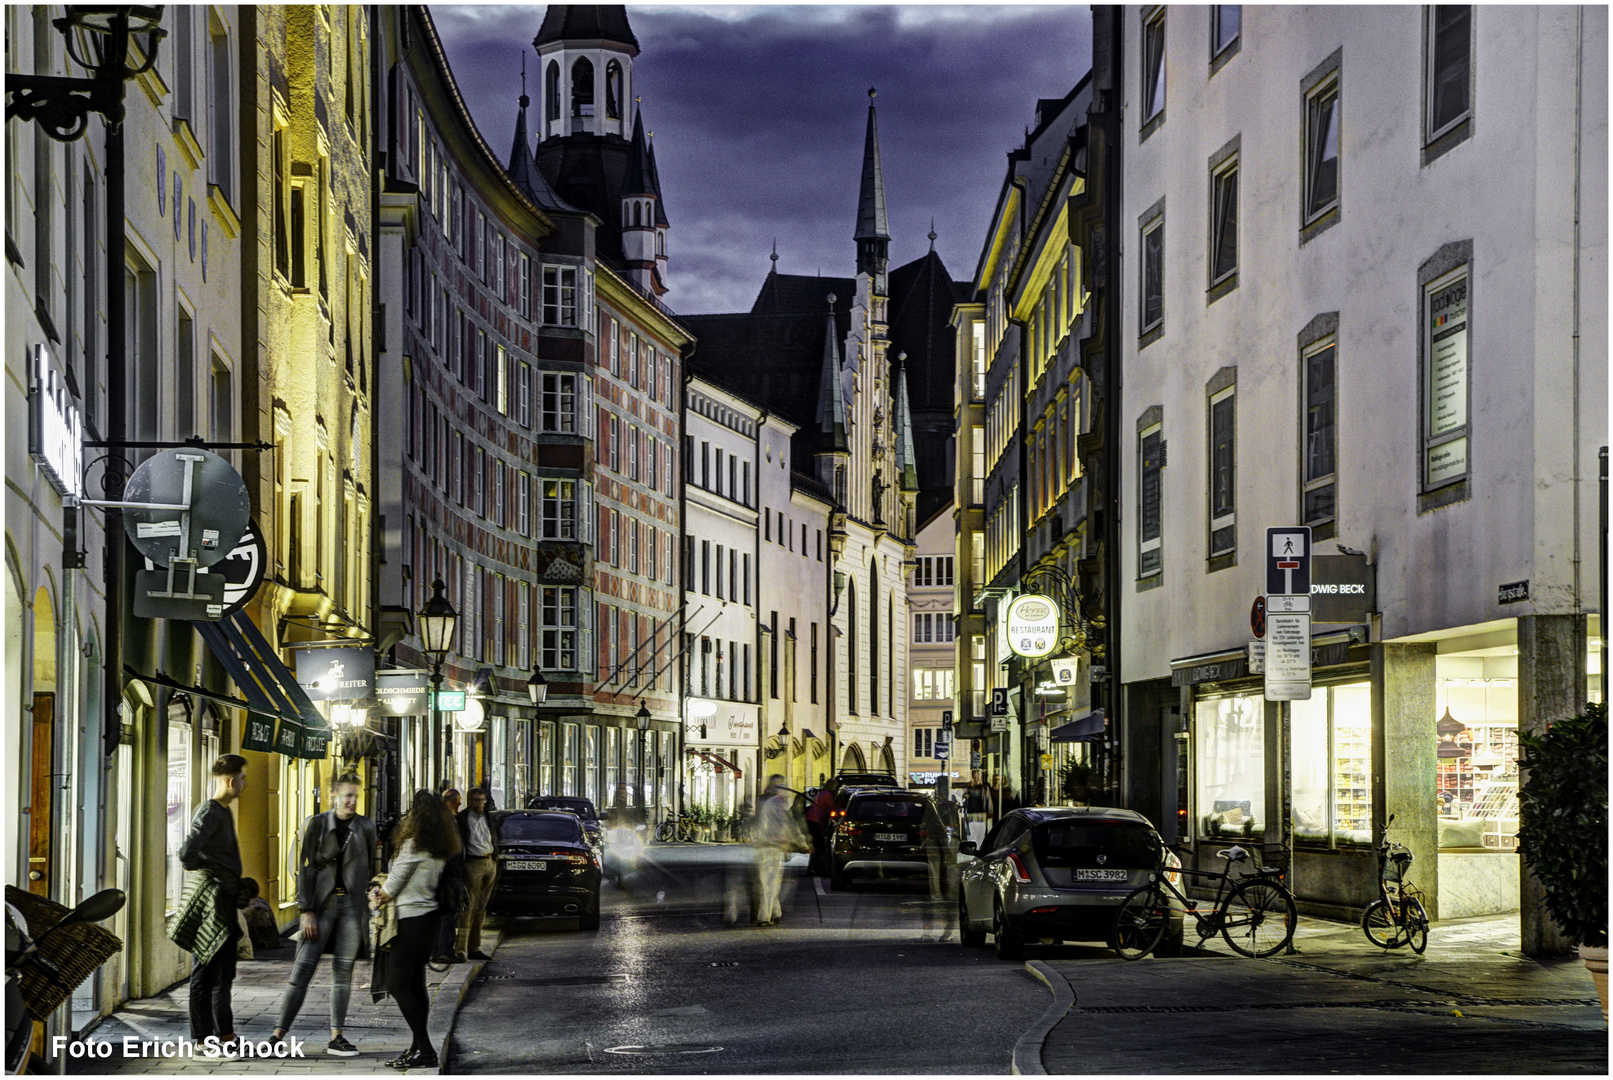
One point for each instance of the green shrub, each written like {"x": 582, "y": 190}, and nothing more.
{"x": 1563, "y": 821}
{"x": 1076, "y": 782}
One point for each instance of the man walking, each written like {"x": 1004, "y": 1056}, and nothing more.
{"x": 443, "y": 952}
{"x": 477, "y": 834}
{"x": 211, "y": 848}
{"x": 333, "y": 873}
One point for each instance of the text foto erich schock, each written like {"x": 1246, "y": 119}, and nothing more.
{"x": 132, "y": 1046}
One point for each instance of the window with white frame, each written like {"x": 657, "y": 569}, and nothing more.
{"x": 1448, "y": 57}
{"x": 1321, "y": 180}
{"x": 501, "y": 373}
{"x": 1223, "y": 476}
{"x": 923, "y": 742}
{"x": 523, "y": 630}
{"x": 613, "y": 455}
{"x": 526, "y": 286}
{"x": 932, "y": 684}
{"x": 560, "y": 295}
{"x": 1319, "y": 469}
{"x": 632, "y": 452}
{"x": 1445, "y": 380}
{"x": 524, "y": 504}
{"x": 523, "y": 394}
{"x": 1153, "y": 273}
{"x": 558, "y": 628}
{"x": 931, "y": 627}
{"x": 559, "y": 509}
{"x": 559, "y": 403}
{"x": 932, "y": 571}
{"x": 1150, "y": 444}
{"x": 1153, "y": 69}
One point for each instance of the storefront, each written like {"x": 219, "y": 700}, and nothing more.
{"x": 723, "y": 755}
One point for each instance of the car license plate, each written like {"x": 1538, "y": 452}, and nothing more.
{"x": 891, "y": 837}
{"x": 525, "y": 864}
{"x": 1100, "y": 875}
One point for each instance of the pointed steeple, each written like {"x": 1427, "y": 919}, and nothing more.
{"x": 523, "y": 167}
{"x": 831, "y": 403}
{"x": 655, "y": 186}
{"x": 873, "y": 231}
{"x": 906, "y": 458}
{"x": 638, "y": 180}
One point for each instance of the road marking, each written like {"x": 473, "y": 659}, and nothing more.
{"x": 817, "y": 883}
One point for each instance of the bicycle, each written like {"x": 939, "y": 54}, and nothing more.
{"x": 1396, "y": 917}
{"x": 1253, "y": 912}
{"x": 676, "y": 829}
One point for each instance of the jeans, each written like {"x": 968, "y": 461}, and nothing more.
{"x": 406, "y": 974}
{"x": 210, "y": 986}
{"x": 345, "y": 917}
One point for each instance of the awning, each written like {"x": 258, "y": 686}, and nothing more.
{"x": 716, "y": 761}
{"x": 270, "y": 688}
{"x": 1086, "y": 729}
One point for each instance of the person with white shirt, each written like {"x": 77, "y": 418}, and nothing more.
{"x": 478, "y": 832}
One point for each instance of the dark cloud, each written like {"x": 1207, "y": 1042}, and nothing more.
{"x": 759, "y": 114}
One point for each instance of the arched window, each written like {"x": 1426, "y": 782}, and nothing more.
{"x": 852, "y": 645}
{"x": 638, "y": 213}
{"x": 582, "y": 88}
{"x": 613, "y": 90}
{"x": 551, "y": 92}
{"x": 873, "y": 637}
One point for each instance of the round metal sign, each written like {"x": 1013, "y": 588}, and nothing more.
{"x": 219, "y": 506}
{"x": 1257, "y": 617}
{"x": 1033, "y": 625}
{"x": 243, "y": 569}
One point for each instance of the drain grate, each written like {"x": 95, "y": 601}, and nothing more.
{"x": 665, "y": 1048}
{"x": 723, "y": 963}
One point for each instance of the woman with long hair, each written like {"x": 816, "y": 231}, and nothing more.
{"x": 426, "y": 840}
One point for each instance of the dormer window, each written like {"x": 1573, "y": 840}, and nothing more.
{"x": 582, "y": 88}
{"x": 613, "y": 90}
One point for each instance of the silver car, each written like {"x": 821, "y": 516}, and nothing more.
{"x": 1055, "y": 874}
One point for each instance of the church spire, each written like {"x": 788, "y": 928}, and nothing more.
{"x": 873, "y": 231}
{"x": 831, "y": 402}
{"x": 906, "y": 458}
{"x": 523, "y": 168}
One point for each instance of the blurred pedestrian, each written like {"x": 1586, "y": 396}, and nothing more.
{"x": 333, "y": 870}
{"x": 207, "y": 925}
{"x": 940, "y": 917}
{"x": 443, "y": 951}
{"x": 819, "y": 824}
{"x": 427, "y": 840}
{"x": 776, "y": 834}
{"x": 478, "y": 835}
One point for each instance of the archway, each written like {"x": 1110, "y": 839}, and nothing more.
{"x": 42, "y": 861}
{"x": 852, "y": 760}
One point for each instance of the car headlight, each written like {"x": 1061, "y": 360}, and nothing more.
{"x": 1173, "y": 866}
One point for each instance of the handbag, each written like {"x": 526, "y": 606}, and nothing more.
{"x": 453, "y": 891}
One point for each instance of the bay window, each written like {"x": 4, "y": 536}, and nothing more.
{"x": 560, "y": 295}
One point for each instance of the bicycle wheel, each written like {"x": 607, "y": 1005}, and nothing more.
{"x": 1260, "y": 918}
{"x": 1416, "y": 924}
{"x": 665, "y": 831}
{"x": 1140, "y": 922}
{"x": 1378, "y": 923}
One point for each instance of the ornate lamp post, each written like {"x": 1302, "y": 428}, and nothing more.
{"x": 437, "y": 621}
{"x": 643, "y": 719}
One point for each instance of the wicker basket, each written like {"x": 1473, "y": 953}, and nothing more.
{"x": 66, "y": 959}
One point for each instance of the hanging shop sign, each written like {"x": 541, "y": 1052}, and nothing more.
{"x": 403, "y": 693}
{"x": 1066, "y": 672}
{"x": 336, "y": 674}
{"x": 1342, "y": 589}
{"x": 1033, "y": 625}
{"x": 55, "y": 428}
{"x": 243, "y": 570}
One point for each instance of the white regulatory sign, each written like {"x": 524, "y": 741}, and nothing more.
{"x": 1288, "y": 657}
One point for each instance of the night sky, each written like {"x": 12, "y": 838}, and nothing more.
{"x": 759, "y": 112}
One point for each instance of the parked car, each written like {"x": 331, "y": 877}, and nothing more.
{"x": 878, "y": 778}
{"x": 1056, "y": 874}
{"x": 886, "y": 831}
{"x": 574, "y": 804}
{"x": 546, "y": 866}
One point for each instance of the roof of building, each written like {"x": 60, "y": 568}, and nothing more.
{"x": 523, "y": 169}
{"x": 921, "y": 297}
{"x": 586, "y": 22}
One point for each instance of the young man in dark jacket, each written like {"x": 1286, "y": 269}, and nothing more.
{"x": 211, "y": 846}
{"x": 337, "y": 859}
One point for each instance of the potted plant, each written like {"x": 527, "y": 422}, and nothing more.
{"x": 1077, "y": 783}
{"x": 1563, "y": 829}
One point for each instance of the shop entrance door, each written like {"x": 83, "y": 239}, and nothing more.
{"x": 40, "y": 799}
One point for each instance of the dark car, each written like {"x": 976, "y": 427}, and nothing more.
{"x": 546, "y": 867}
{"x": 885, "y": 831}
{"x": 574, "y": 804}
{"x": 877, "y": 778}
{"x": 1057, "y": 874}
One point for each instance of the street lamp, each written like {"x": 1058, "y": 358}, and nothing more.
{"x": 98, "y": 39}
{"x": 643, "y": 718}
{"x": 537, "y": 687}
{"x": 437, "y": 620}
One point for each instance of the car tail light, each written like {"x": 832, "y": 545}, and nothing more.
{"x": 1018, "y": 864}
{"x": 1044, "y": 911}
{"x": 848, "y": 829}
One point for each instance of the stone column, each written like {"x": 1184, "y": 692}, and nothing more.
{"x": 1551, "y": 686}
{"x": 1404, "y": 761}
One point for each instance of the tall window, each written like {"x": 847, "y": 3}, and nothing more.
{"x": 1226, "y": 22}
{"x": 523, "y": 394}
{"x": 559, "y": 509}
{"x": 1448, "y": 57}
{"x": 523, "y": 519}
{"x": 559, "y": 402}
{"x": 221, "y": 85}
{"x": 560, "y": 295}
{"x": 1149, "y": 553}
{"x": 1321, "y": 440}
{"x": 1223, "y": 534}
{"x": 1445, "y": 380}
{"x": 1321, "y": 150}
{"x": 526, "y": 286}
{"x": 1224, "y": 222}
{"x": 1154, "y": 67}
{"x": 558, "y": 622}
{"x": 1153, "y": 271}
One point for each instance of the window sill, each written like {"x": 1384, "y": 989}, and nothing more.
{"x": 1220, "y": 59}
{"x": 1221, "y": 562}
{"x": 1455, "y": 492}
{"x": 1319, "y": 224}
{"x": 1451, "y": 138}
{"x": 1324, "y": 530}
{"x": 1153, "y": 581}
{"x": 228, "y": 220}
{"x": 1220, "y": 288}
{"x": 1151, "y": 126}
{"x": 1148, "y": 337}
{"x": 188, "y": 144}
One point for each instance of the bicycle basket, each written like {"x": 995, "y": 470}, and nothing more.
{"x": 1394, "y": 868}
{"x": 66, "y": 958}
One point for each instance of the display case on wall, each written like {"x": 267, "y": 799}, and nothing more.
{"x": 1352, "y": 778}
{"x": 1476, "y": 779}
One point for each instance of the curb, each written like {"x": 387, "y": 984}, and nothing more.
{"x": 440, "y": 1024}
{"x": 1027, "y": 1055}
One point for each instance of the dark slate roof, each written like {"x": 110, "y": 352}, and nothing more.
{"x": 871, "y": 219}
{"x": 586, "y": 22}
{"x": 803, "y": 293}
{"x": 588, "y": 172}
{"x": 922, "y": 295}
{"x": 524, "y": 170}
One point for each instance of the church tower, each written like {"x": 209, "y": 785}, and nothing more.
{"x": 873, "y": 231}
{"x": 586, "y": 56}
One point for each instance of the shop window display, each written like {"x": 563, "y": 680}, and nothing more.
{"x": 1331, "y": 763}
{"x": 1477, "y": 771}
{"x": 1230, "y": 745}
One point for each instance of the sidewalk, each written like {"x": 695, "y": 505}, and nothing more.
{"x": 1471, "y": 1004}
{"x": 377, "y": 1029}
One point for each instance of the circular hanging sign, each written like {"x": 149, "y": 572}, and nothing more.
{"x": 220, "y": 506}
{"x": 1033, "y": 625}
{"x": 244, "y": 569}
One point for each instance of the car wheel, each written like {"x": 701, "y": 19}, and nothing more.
{"x": 972, "y": 938}
{"x": 1008, "y": 945}
{"x": 589, "y": 919}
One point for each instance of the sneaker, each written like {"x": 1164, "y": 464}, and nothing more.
{"x": 477, "y": 954}
{"x": 457, "y": 958}
{"x": 340, "y": 1047}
